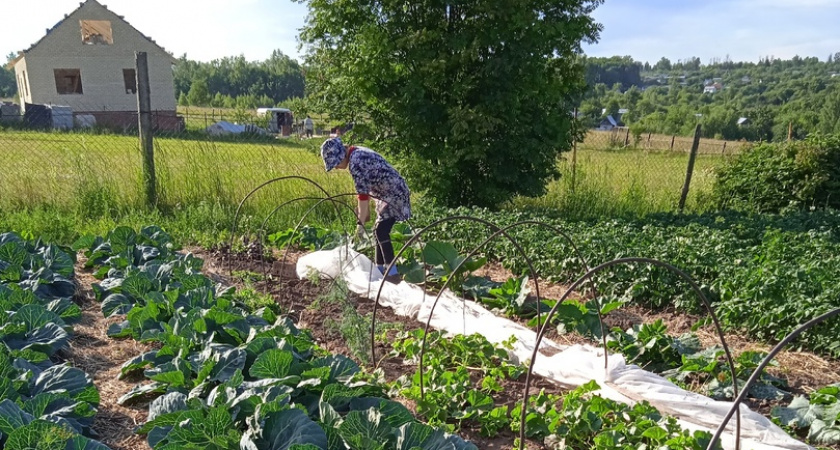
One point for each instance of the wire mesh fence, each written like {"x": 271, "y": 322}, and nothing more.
{"x": 85, "y": 158}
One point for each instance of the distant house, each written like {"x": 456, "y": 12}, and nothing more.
{"x": 712, "y": 88}
{"x": 745, "y": 79}
{"x": 743, "y": 121}
{"x": 608, "y": 123}
{"x": 87, "y": 62}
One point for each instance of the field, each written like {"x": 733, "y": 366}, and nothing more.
{"x": 98, "y": 176}
{"x": 154, "y": 336}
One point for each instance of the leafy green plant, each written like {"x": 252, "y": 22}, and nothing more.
{"x": 451, "y": 395}
{"x": 771, "y": 177}
{"x": 308, "y": 237}
{"x": 651, "y": 347}
{"x": 708, "y": 372}
{"x": 817, "y": 417}
{"x": 585, "y": 420}
{"x": 444, "y": 260}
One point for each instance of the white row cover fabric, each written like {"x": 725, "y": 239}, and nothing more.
{"x": 568, "y": 366}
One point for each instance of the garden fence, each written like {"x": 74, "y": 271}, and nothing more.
{"x": 87, "y": 155}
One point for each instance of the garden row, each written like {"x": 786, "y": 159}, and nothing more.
{"x": 466, "y": 382}
{"x": 765, "y": 275}
{"x": 44, "y": 404}
{"x": 681, "y": 359}
{"x": 224, "y": 376}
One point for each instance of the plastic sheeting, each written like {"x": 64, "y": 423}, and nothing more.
{"x": 568, "y": 366}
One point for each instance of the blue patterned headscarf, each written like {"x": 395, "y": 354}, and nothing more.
{"x": 333, "y": 152}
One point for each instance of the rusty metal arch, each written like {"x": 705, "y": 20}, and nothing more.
{"x": 589, "y": 275}
{"x": 493, "y": 236}
{"x": 764, "y": 362}
{"x": 333, "y": 199}
{"x": 253, "y": 191}
{"x": 497, "y": 231}
{"x": 288, "y": 202}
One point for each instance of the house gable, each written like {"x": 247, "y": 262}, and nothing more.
{"x": 76, "y": 34}
{"x": 86, "y": 61}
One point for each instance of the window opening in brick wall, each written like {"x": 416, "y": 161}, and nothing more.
{"x": 96, "y": 32}
{"x": 130, "y": 81}
{"x": 68, "y": 81}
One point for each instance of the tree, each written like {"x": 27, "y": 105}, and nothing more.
{"x": 473, "y": 98}
{"x": 830, "y": 117}
{"x": 664, "y": 65}
{"x": 199, "y": 93}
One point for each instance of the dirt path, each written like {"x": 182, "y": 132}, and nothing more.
{"x": 101, "y": 357}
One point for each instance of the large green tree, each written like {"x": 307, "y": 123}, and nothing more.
{"x": 474, "y": 98}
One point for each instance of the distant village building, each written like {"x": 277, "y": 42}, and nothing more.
{"x": 612, "y": 121}
{"x": 87, "y": 62}
{"x": 743, "y": 121}
{"x": 608, "y": 123}
{"x": 712, "y": 88}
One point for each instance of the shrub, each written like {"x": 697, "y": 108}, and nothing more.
{"x": 774, "y": 177}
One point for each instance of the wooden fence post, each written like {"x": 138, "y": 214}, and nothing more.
{"x": 648, "y": 144}
{"x": 691, "y": 158}
{"x": 144, "y": 114}
{"x": 723, "y": 151}
{"x": 627, "y": 138}
{"x": 673, "y": 138}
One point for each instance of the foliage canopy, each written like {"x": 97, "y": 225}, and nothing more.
{"x": 775, "y": 177}
{"x": 474, "y": 98}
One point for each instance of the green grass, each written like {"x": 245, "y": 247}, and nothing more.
{"x": 97, "y": 178}
{"x": 625, "y": 183}
{"x": 60, "y": 185}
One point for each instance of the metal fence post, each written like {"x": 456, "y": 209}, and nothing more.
{"x": 144, "y": 114}
{"x": 691, "y": 158}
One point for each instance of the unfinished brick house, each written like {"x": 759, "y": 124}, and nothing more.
{"x": 87, "y": 62}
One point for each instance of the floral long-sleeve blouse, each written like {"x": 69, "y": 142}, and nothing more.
{"x": 373, "y": 176}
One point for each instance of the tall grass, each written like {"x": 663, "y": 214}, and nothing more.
{"x": 624, "y": 182}
{"x": 97, "y": 179}
{"x": 64, "y": 184}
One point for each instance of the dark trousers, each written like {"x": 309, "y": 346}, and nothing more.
{"x": 384, "y": 248}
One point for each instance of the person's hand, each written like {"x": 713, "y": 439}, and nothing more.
{"x": 360, "y": 231}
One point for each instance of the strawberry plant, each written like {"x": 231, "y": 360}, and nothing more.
{"x": 462, "y": 373}
{"x": 650, "y": 347}
{"x": 708, "y": 372}
{"x": 585, "y": 420}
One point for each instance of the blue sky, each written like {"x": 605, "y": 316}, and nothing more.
{"x": 644, "y": 29}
